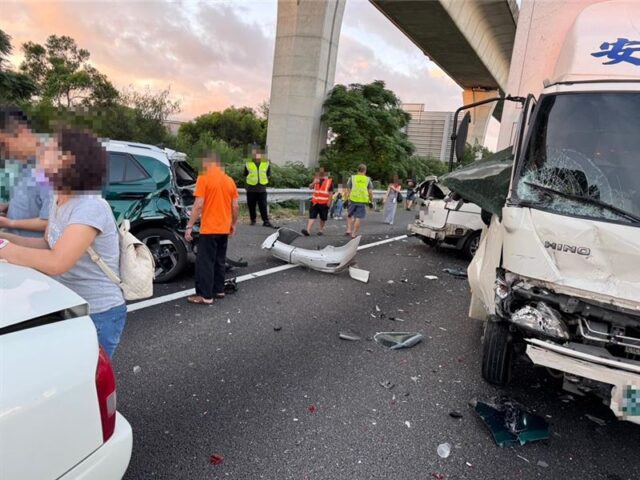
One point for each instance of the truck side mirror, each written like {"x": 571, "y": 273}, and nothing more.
{"x": 461, "y": 136}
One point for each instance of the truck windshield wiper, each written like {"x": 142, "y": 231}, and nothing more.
{"x": 593, "y": 201}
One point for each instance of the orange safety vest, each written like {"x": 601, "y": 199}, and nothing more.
{"x": 321, "y": 195}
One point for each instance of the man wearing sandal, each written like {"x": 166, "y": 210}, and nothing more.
{"x": 359, "y": 195}
{"x": 216, "y": 205}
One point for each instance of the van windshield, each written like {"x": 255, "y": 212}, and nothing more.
{"x": 583, "y": 156}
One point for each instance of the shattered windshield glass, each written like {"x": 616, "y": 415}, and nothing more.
{"x": 583, "y": 157}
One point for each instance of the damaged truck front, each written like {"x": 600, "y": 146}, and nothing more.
{"x": 557, "y": 274}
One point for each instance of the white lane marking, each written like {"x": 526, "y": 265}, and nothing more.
{"x": 243, "y": 278}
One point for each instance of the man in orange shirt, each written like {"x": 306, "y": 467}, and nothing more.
{"x": 217, "y": 203}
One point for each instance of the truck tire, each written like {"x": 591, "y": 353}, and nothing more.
{"x": 169, "y": 253}
{"x": 471, "y": 245}
{"x": 497, "y": 353}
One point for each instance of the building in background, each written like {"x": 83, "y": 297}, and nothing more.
{"x": 430, "y": 132}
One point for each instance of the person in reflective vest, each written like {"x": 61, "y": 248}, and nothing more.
{"x": 257, "y": 172}
{"x": 359, "y": 195}
{"x": 322, "y": 186}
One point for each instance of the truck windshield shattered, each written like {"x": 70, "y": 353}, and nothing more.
{"x": 583, "y": 157}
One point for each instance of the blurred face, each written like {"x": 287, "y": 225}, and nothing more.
{"x": 18, "y": 141}
{"x": 52, "y": 160}
{"x": 211, "y": 160}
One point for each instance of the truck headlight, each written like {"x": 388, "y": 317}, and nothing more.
{"x": 542, "y": 319}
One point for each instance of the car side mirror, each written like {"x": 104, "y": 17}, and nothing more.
{"x": 461, "y": 136}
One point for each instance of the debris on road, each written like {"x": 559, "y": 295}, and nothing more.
{"x": 360, "y": 275}
{"x": 408, "y": 424}
{"x": 387, "y": 384}
{"x": 542, "y": 464}
{"x": 137, "y": 369}
{"x": 444, "y": 450}
{"x": 510, "y": 424}
{"x": 329, "y": 260}
{"x": 397, "y": 340}
{"x": 277, "y": 328}
{"x": 390, "y": 282}
{"x": 455, "y": 414}
{"x": 396, "y": 319}
{"x": 349, "y": 336}
{"x": 230, "y": 286}
{"x": 216, "y": 459}
{"x": 312, "y": 408}
{"x": 431, "y": 277}
{"x": 438, "y": 476}
{"x": 595, "y": 420}
{"x": 377, "y": 308}
{"x": 456, "y": 272}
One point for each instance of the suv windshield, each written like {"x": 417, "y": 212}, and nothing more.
{"x": 583, "y": 156}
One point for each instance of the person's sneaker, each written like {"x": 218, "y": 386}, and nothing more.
{"x": 305, "y": 232}
{"x": 267, "y": 224}
{"x": 253, "y": 223}
{"x": 320, "y": 234}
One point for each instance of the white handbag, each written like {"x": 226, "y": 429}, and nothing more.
{"x": 137, "y": 267}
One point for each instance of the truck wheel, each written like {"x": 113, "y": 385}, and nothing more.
{"x": 169, "y": 253}
{"x": 497, "y": 353}
{"x": 471, "y": 245}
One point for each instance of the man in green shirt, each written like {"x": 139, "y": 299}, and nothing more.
{"x": 359, "y": 194}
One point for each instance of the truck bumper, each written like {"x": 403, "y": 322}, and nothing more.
{"x": 624, "y": 377}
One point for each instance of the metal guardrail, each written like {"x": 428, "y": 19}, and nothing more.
{"x": 302, "y": 195}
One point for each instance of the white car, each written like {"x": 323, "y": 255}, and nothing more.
{"x": 445, "y": 221}
{"x": 58, "y": 417}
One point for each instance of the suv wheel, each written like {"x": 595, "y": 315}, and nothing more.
{"x": 169, "y": 253}
{"x": 471, "y": 245}
{"x": 497, "y": 353}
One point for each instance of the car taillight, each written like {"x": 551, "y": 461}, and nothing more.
{"x": 106, "y": 388}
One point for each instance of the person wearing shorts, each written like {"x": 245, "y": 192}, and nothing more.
{"x": 322, "y": 186}
{"x": 359, "y": 194}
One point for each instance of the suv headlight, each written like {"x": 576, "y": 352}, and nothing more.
{"x": 541, "y": 319}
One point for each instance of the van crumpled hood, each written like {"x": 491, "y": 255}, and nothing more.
{"x": 591, "y": 259}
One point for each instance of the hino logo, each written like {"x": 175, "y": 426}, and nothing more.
{"x": 561, "y": 247}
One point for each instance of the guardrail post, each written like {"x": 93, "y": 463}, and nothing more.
{"x": 302, "y": 207}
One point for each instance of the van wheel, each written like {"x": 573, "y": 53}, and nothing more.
{"x": 497, "y": 353}
{"x": 471, "y": 245}
{"x": 169, "y": 253}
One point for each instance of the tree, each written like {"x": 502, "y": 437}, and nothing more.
{"x": 14, "y": 86}
{"x": 365, "y": 126}
{"x": 474, "y": 152}
{"x": 63, "y": 74}
{"x": 238, "y": 127}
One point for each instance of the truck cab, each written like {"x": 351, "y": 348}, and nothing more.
{"x": 556, "y": 274}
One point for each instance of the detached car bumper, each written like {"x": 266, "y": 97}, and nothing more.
{"x": 110, "y": 461}
{"x": 420, "y": 230}
{"x": 623, "y": 376}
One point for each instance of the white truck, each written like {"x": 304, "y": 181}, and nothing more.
{"x": 443, "y": 221}
{"x": 557, "y": 273}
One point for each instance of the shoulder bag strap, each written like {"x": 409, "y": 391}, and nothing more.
{"x": 103, "y": 266}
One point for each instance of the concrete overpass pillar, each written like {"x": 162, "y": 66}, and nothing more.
{"x": 304, "y": 65}
{"x": 480, "y": 116}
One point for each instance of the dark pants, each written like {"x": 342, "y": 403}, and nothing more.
{"x": 212, "y": 252}
{"x": 259, "y": 198}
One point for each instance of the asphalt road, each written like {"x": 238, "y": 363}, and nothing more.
{"x": 300, "y": 403}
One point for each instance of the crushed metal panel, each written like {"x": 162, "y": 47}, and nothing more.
{"x": 625, "y": 391}
{"x": 329, "y": 259}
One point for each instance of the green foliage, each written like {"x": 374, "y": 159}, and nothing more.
{"x": 14, "y": 86}
{"x": 63, "y": 76}
{"x": 365, "y": 124}
{"x": 238, "y": 127}
{"x": 474, "y": 152}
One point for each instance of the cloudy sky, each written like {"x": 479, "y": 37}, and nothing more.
{"x": 219, "y": 53}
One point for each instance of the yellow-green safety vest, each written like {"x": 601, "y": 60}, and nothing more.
{"x": 257, "y": 173}
{"x": 359, "y": 189}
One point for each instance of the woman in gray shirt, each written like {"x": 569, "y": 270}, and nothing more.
{"x": 75, "y": 162}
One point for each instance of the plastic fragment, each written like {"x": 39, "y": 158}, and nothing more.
{"x": 444, "y": 450}
{"x": 397, "y": 340}
{"x": 277, "y": 328}
{"x": 349, "y": 336}
{"x": 387, "y": 384}
{"x": 438, "y": 476}
{"x": 390, "y": 282}
{"x": 456, "y": 272}
{"x": 137, "y": 369}
{"x": 359, "y": 274}
{"x": 520, "y": 456}
{"x": 216, "y": 459}
{"x": 596, "y": 420}
{"x": 377, "y": 308}
{"x": 312, "y": 408}
{"x": 510, "y": 424}
{"x": 542, "y": 464}
{"x": 455, "y": 414}
{"x": 396, "y": 319}
{"x": 408, "y": 424}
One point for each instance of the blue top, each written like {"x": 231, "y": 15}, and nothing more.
{"x": 31, "y": 197}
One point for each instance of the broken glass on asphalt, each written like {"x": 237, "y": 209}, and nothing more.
{"x": 456, "y": 272}
{"x": 510, "y": 423}
{"x": 397, "y": 340}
